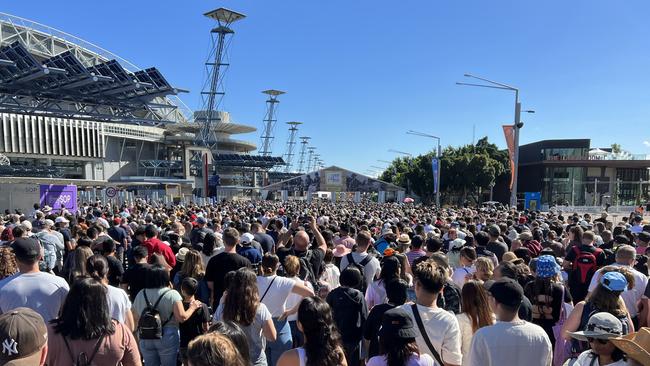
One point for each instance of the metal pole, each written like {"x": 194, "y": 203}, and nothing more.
{"x": 438, "y": 173}
{"x": 596, "y": 192}
{"x": 513, "y": 193}
{"x": 573, "y": 189}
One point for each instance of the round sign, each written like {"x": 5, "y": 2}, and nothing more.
{"x": 111, "y": 192}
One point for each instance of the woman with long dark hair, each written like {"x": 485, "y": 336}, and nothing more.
{"x": 236, "y": 335}
{"x": 119, "y": 304}
{"x": 547, "y": 294}
{"x": 397, "y": 345}
{"x": 322, "y": 345}
{"x": 476, "y": 314}
{"x": 242, "y": 305}
{"x": 85, "y": 331}
{"x": 376, "y": 292}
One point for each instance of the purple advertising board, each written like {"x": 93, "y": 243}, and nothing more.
{"x": 59, "y": 196}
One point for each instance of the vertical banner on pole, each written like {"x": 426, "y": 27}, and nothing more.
{"x": 435, "y": 165}
{"x": 509, "y": 132}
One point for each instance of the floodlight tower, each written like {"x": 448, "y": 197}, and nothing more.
{"x": 314, "y": 164}
{"x": 310, "y": 159}
{"x": 269, "y": 121}
{"x": 213, "y": 92}
{"x": 303, "y": 152}
{"x": 291, "y": 144}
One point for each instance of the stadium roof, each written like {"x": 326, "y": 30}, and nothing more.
{"x": 341, "y": 180}
{"x": 48, "y": 72}
{"x": 250, "y": 161}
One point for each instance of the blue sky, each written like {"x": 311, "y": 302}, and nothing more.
{"x": 360, "y": 73}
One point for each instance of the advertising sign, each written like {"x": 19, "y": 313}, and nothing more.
{"x": 59, "y": 197}
{"x": 435, "y": 165}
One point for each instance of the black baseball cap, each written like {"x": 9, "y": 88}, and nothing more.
{"x": 644, "y": 236}
{"x": 507, "y": 292}
{"x": 26, "y": 248}
{"x": 397, "y": 324}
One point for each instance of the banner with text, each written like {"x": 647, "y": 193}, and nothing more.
{"x": 435, "y": 165}
{"x": 509, "y": 131}
{"x": 59, "y": 197}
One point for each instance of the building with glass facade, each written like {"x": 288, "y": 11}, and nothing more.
{"x": 571, "y": 172}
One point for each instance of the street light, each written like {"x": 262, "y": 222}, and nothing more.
{"x": 408, "y": 181}
{"x": 438, "y": 156}
{"x": 517, "y": 126}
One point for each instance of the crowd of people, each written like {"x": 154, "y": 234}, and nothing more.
{"x": 320, "y": 283}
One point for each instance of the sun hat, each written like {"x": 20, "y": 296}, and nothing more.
{"x": 635, "y": 345}
{"x": 404, "y": 239}
{"x": 61, "y": 219}
{"x": 614, "y": 281}
{"x": 397, "y": 324}
{"x": 182, "y": 252}
{"x": 601, "y": 325}
{"x": 23, "y": 334}
{"x": 46, "y": 209}
{"x": 547, "y": 266}
{"x": 341, "y": 251}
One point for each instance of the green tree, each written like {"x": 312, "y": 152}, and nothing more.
{"x": 616, "y": 148}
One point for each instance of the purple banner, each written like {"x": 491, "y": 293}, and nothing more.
{"x": 59, "y": 196}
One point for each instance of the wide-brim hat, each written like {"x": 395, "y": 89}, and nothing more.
{"x": 635, "y": 345}
{"x": 397, "y": 324}
{"x": 341, "y": 251}
{"x": 601, "y": 325}
{"x": 404, "y": 239}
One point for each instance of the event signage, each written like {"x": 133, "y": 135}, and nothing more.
{"x": 509, "y": 132}
{"x": 59, "y": 197}
{"x": 435, "y": 165}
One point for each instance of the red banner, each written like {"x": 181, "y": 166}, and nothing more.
{"x": 509, "y": 131}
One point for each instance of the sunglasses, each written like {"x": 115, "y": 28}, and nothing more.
{"x": 601, "y": 341}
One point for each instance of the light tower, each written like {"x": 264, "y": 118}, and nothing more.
{"x": 213, "y": 92}
{"x": 310, "y": 160}
{"x": 291, "y": 144}
{"x": 269, "y": 121}
{"x": 303, "y": 152}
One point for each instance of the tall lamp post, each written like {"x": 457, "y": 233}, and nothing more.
{"x": 517, "y": 126}
{"x": 438, "y": 156}
{"x": 408, "y": 181}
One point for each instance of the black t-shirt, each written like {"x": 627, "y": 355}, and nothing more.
{"x": 451, "y": 296}
{"x": 349, "y": 311}
{"x": 135, "y": 278}
{"x": 193, "y": 327}
{"x": 498, "y": 248}
{"x": 216, "y": 271}
{"x": 115, "y": 271}
{"x": 266, "y": 241}
{"x": 373, "y": 323}
{"x": 546, "y": 307}
{"x": 647, "y": 291}
{"x": 526, "y": 310}
{"x": 316, "y": 260}
{"x": 118, "y": 234}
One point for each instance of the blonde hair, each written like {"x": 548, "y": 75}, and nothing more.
{"x": 291, "y": 265}
{"x": 213, "y": 349}
{"x": 484, "y": 265}
{"x": 508, "y": 257}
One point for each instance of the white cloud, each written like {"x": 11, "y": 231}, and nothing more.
{"x": 646, "y": 143}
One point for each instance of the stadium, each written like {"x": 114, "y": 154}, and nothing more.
{"x": 74, "y": 113}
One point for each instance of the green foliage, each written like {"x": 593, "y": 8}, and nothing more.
{"x": 466, "y": 170}
{"x": 616, "y": 148}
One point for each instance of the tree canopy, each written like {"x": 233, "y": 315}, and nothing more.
{"x": 465, "y": 172}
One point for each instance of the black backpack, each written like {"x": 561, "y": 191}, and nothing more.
{"x": 150, "y": 325}
{"x": 307, "y": 271}
{"x": 360, "y": 266}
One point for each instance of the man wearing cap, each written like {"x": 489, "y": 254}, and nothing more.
{"x": 511, "y": 341}
{"x": 247, "y": 250}
{"x": 23, "y": 336}
{"x": 62, "y": 226}
{"x": 31, "y": 288}
{"x": 52, "y": 246}
{"x": 625, "y": 257}
{"x": 200, "y": 231}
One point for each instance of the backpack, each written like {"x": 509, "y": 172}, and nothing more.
{"x": 150, "y": 325}
{"x": 585, "y": 265}
{"x": 360, "y": 266}
{"x": 307, "y": 271}
{"x": 82, "y": 358}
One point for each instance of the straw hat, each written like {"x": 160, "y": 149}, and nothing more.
{"x": 635, "y": 345}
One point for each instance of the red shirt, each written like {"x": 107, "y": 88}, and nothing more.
{"x": 154, "y": 245}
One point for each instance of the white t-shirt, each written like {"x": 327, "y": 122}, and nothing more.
{"x": 295, "y": 299}
{"x": 586, "y": 357}
{"x": 277, "y": 295}
{"x": 460, "y": 273}
{"x": 443, "y": 331}
{"x": 370, "y": 270}
{"x": 375, "y": 294}
{"x": 630, "y": 297}
{"x": 331, "y": 275}
{"x": 42, "y": 292}
{"x": 422, "y": 360}
{"x": 118, "y": 303}
{"x": 511, "y": 343}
